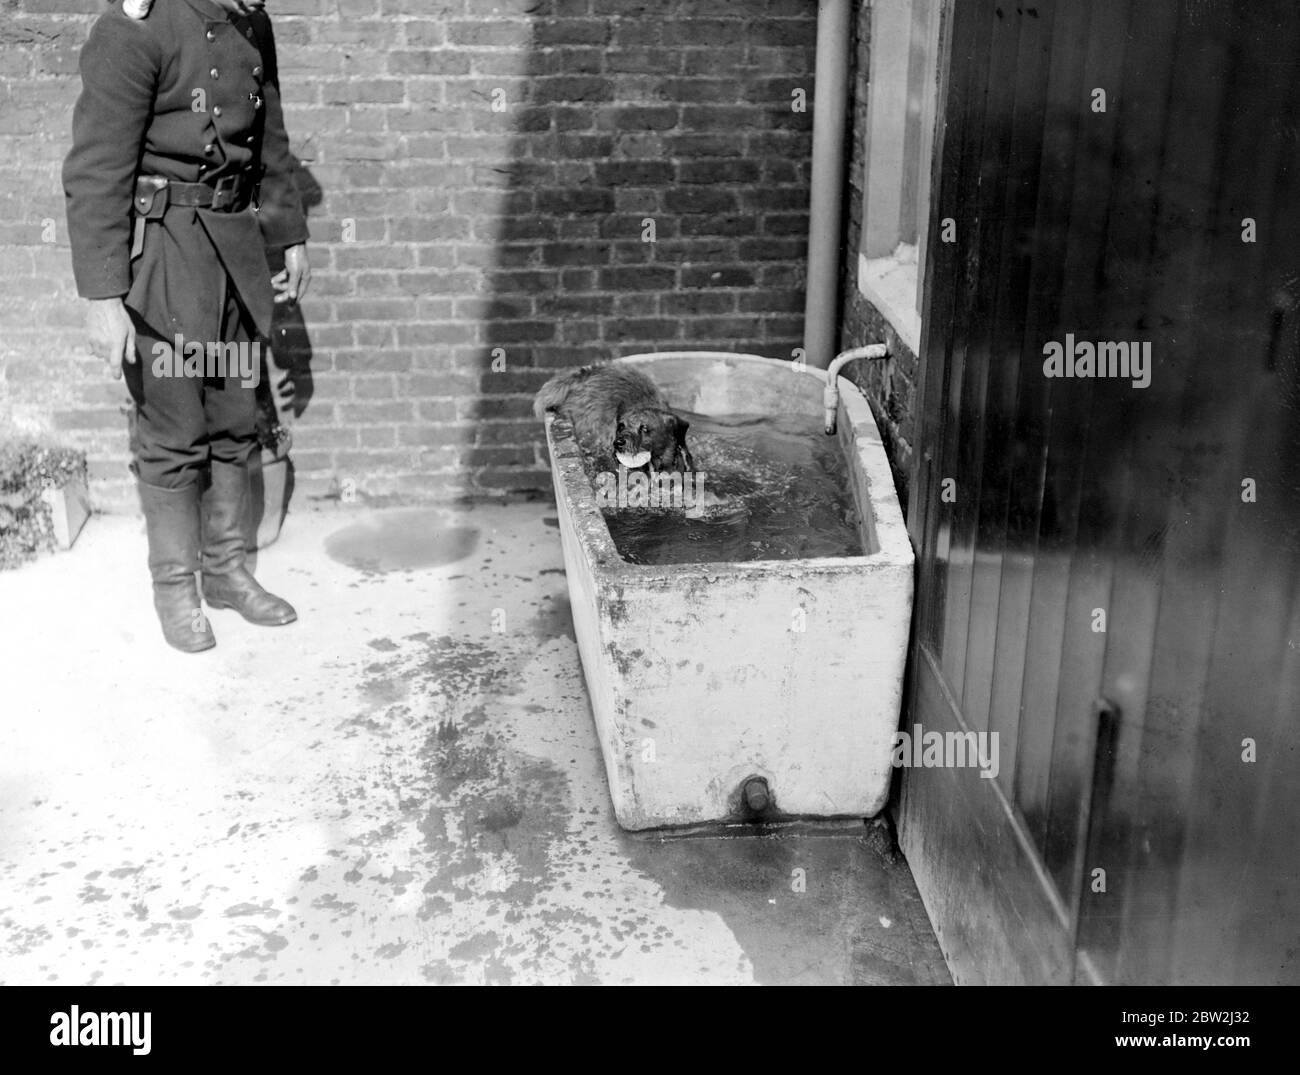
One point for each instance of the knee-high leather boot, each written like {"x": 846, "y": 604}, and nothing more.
{"x": 172, "y": 523}
{"x": 227, "y": 583}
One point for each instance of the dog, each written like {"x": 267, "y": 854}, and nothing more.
{"x": 618, "y": 415}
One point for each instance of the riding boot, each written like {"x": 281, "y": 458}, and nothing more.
{"x": 172, "y": 524}
{"x": 227, "y": 583}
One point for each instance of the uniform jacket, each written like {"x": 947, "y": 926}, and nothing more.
{"x": 190, "y": 94}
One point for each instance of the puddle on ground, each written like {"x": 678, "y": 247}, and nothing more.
{"x": 400, "y": 541}
{"x": 806, "y": 908}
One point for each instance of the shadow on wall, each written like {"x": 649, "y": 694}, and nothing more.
{"x": 530, "y": 184}
{"x": 292, "y": 385}
{"x": 652, "y": 195}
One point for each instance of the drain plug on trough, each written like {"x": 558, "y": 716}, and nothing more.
{"x": 756, "y": 794}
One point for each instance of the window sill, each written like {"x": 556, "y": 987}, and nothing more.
{"x": 890, "y": 285}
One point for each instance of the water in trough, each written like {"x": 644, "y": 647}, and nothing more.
{"x": 775, "y": 487}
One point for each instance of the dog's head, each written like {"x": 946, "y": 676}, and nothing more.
{"x": 651, "y": 436}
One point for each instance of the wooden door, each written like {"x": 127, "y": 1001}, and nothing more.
{"x": 1109, "y": 572}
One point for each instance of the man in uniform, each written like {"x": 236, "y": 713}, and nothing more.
{"x": 178, "y": 182}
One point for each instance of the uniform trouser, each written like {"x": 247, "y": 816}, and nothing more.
{"x": 181, "y": 422}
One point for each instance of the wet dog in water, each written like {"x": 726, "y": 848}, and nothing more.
{"x": 618, "y": 415}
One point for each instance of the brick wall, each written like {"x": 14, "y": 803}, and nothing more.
{"x": 889, "y": 386}
{"x": 446, "y": 233}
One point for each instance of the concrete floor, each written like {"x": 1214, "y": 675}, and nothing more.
{"x": 403, "y": 787}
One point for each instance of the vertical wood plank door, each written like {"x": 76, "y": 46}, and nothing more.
{"x": 1109, "y": 569}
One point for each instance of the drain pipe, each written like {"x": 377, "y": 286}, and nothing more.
{"x": 831, "y": 394}
{"x": 830, "y": 105}
{"x": 830, "y": 109}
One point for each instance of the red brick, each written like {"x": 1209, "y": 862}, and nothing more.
{"x": 362, "y": 463}
{"x": 576, "y": 253}
{"x": 698, "y": 200}
{"x": 766, "y": 302}
{"x": 628, "y": 32}
{"x": 571, "y": 88}
{"x": 441, "y": 334}
{"x": 376, "y": 412}
{"x": 712, "y": 61}
{"x": 372, "y": 256}
{"x": 513, "y": 281}
{"x": 379, "y": 386}
{"x": 488, "y": 407}
{"x": 717, "y": 276}
{"x": 791, "y": 249}
{"x": 493, "y": 33}
{"x": 698, "y": 302}
{"x": 478, "y": 457}
{"x": 494, "y": 478}
{"x": 573, "y": 228}
{"x": 437, "y": 410}
{"x": 704, "y": 145}
{"x": 509, "y": 332}
{"x": 645, "y": 328}
{"x": 425, "y": 435}
{"x": 374, "y": 334}
{"x": 783, "y": 33}
{"x": 785, "y": 223}
{"x": 442, "y": 63}
{"x": 569, "y": 118}
{"x": 368, "y": 33}
{"x": 707, "y": 32}
{"x": 513, "y": 380}
{"x": 372, "y": 361}
{"x": 549, "y": 32}
{"x": 378, "y": 436}
{"x": 422, "y": 33}
{"x": 650, "y": 61}
{"x": 636, "y": 304}
{"x": 564, "y": 357}
{"x": 723, "y": 171}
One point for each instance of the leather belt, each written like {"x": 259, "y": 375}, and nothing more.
{"x": 153, "y": 194}
{"x": 225, "y": 195}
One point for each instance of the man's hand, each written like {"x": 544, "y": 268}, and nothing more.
{"x": 291, "y": 282}
{"x": 112, "y": 336}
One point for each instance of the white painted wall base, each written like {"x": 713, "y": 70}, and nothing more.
{"x": 69, "y": 509}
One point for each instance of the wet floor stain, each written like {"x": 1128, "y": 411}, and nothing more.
{"x": 401, "y": 541}
{"x": 806, "y": 908}
{"x": 422, "y": 803}
{"x": 554, "y": 618}
{"x": 473, "y": 821}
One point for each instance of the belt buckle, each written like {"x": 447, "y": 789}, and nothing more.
{"x": 224, "y": 192}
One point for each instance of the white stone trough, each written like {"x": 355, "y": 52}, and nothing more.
{"x": 711, "y": 704}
